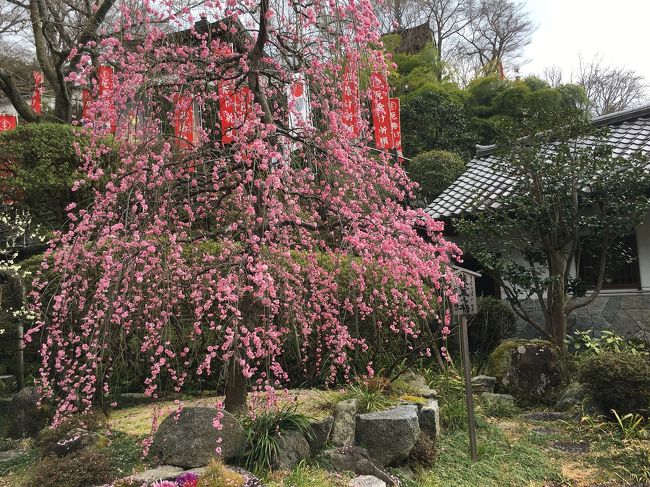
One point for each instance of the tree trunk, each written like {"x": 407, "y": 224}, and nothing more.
{"x": 236, "y": 389}
{"x": 557, "y": 325}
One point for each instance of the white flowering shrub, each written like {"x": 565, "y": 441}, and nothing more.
{"x": 17, "y": 231}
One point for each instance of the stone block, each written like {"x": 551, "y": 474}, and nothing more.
{"x": 389, "y": 435}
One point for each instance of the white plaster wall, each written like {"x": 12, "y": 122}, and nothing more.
{"x": 643, "y": 245}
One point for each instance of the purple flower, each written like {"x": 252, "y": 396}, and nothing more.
{"x": 165, "y": 483}
{"x": 188, "y": 479}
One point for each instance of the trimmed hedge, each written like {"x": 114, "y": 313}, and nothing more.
{"x": 38, "y": 165}
{"x": 619, "y": 381}
{"x": 434, "y": 171}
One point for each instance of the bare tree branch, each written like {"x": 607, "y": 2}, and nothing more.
{"x": 609, "y": 88}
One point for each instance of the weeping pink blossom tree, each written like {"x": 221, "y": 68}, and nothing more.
{"x": 290, "y": 239}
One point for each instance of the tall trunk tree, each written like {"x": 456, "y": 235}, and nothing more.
{"x": 566, "y": 198}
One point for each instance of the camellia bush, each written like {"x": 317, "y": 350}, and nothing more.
{"x": 288, "y": 239}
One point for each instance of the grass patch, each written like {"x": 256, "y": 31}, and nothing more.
{"x": 368, "y": 398}
{"x": 615, "y": 457}
{"x": 308, "y": 476}
{"x": 501, "y": 463}
{"x": 20, "y": 465}
{"x": 125, "y": 453}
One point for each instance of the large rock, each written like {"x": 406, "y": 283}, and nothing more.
{"x": 356, "y": 460}
{"x": 293, "y": 448}
{"x": 26, "y": 417}
{"x": 530, "y": 370}
{"x": 343, "y": 428}
{"x": 191, "y": 441}
{"x": 418, "y": 385}
{"x": 389, "y": 435}
{"x": 429, "y": 418}
{"x": 319, "y": 433}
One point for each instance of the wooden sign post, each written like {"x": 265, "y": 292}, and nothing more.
{"x": 467, "y": 306}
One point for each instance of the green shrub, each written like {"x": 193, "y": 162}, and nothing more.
{"x": 494, "y": 322}
{"x": 42, "y": 164}
{"x": 434, "y": 171}
{"x": 82, "y": 469}
{"x": 262, "y": 445}
{"x": 587, "y": 342}
{"x": 619, "y": 381}
{"x": 49, "y": 437}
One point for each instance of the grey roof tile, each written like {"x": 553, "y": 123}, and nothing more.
{"x": 629, "y": 133}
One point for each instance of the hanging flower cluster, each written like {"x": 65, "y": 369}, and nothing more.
{"x": 253, "y": 240}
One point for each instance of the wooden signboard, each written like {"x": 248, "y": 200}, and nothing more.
{"x": 466, "y": 305}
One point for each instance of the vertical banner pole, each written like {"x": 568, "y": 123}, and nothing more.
{"x": 467, "y": 370}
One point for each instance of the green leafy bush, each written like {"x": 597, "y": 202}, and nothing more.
{"x": 434, "y": 171}
{"x": 435, "y": 118}
{"x": 261, "y": 429}
{"x": 586, "y": 342}
{"x": 494, "y": 322}
{"x": 619, "y": 381}
{"x": 39, "y": 164}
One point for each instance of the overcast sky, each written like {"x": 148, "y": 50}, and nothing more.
{"x": 619, "y": 30}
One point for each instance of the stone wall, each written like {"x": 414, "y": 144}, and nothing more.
{"x": 627, "y": 315}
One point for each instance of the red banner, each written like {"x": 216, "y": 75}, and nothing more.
{"x": 351, "y": 107}
{"x": 396, "y": 125}
{"x": 105, "y": 77}
{"x": 184, "y": 120}
{"x": 37, "y": 102}
{"x": 8, "y": 122}
{"x": 233, "y": 107}
{"x": 298, "y": 99}
{"x": 381, "y": 111}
